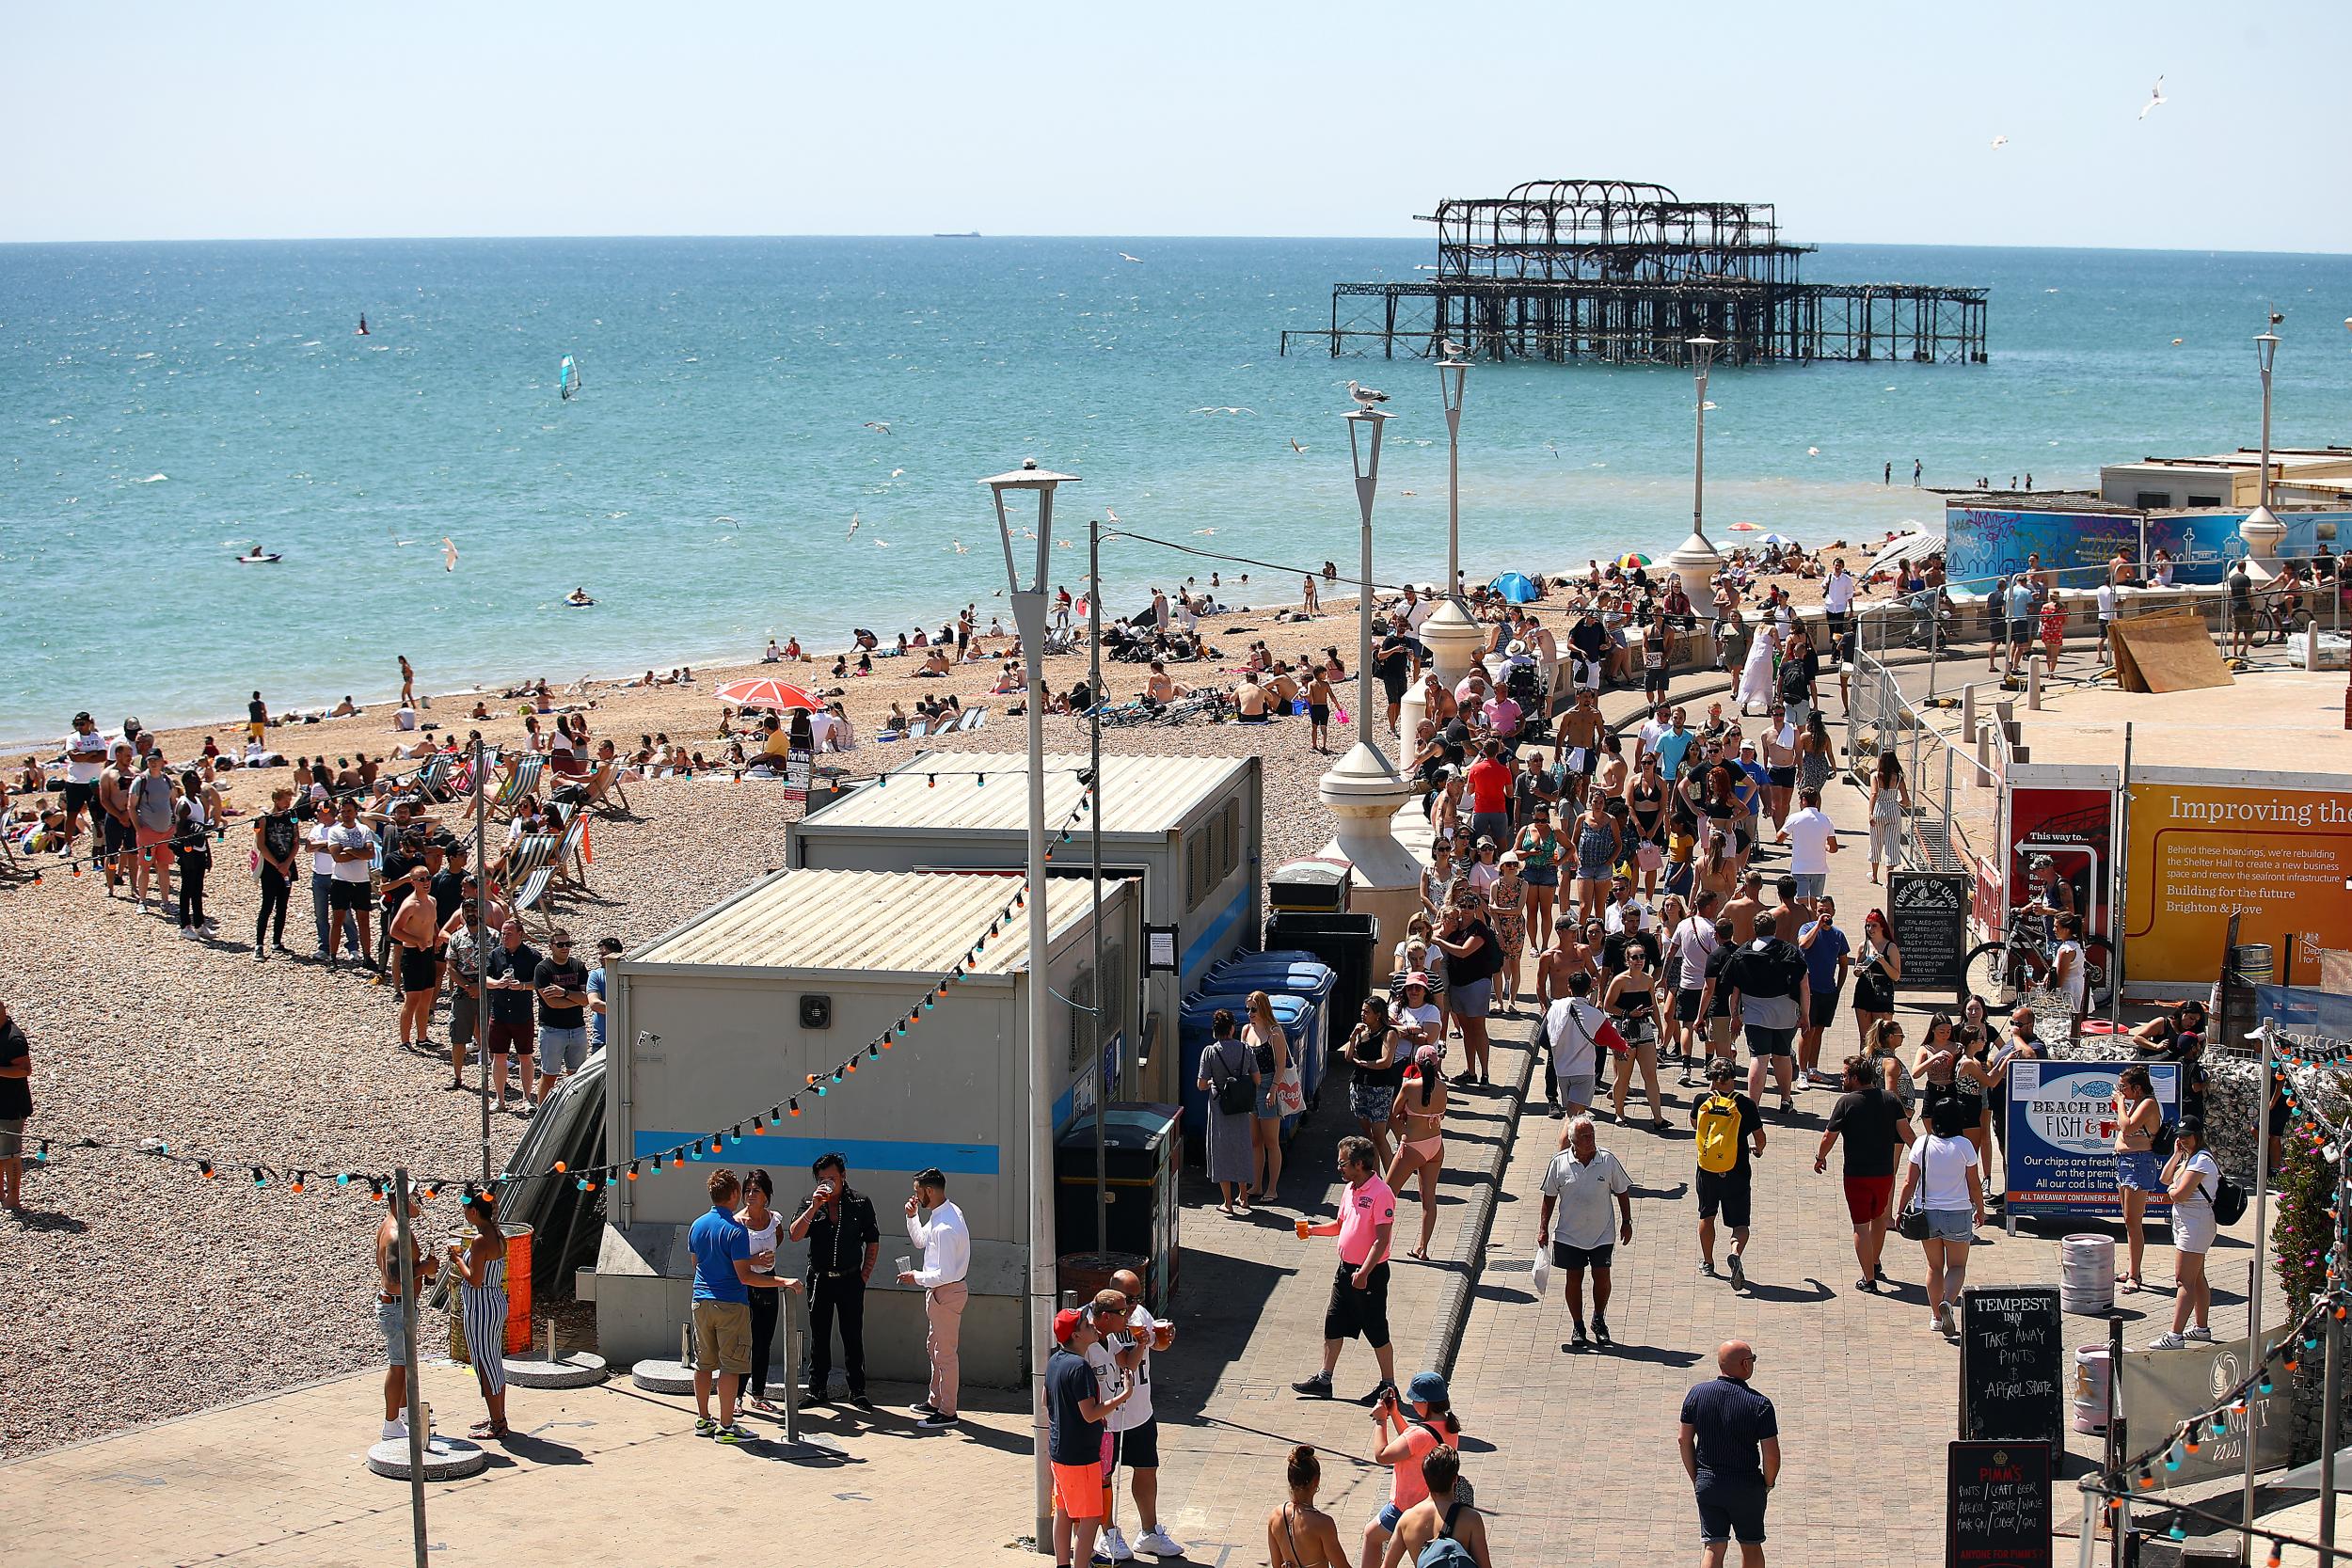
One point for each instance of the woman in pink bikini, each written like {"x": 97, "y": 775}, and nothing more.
{"x": 1419, "y": 1117}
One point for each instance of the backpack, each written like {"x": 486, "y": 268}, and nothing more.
{"x": 1233, "y": 1094}
{"x": 2228, "y": 1201}
{"x": 1446, "y": 1552}
{"x": 1719, "y": 1134}
{"x": 2164, "y": 1141}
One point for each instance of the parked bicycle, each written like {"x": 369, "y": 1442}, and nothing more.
{"x": 2017, "y": 968}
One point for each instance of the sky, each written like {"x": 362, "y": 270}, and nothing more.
{"x": 146, "y": 120}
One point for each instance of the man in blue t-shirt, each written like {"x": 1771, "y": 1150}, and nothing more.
{"x": 724, "y": 1281}
{"x": 1672, "y": 746}
{"x": 1731, "y": 1452}
{"x": 1828, "y": 959}
{"x": 1073, "y": 1443}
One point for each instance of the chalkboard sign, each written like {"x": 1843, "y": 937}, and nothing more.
{"x": 1998, "y": 1512}
{"x": 1929, "y": 913}
{"x": 2011, "y": 1359}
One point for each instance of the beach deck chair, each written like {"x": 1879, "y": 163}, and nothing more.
{"x": 973, "y": 718}
{"x": 567, "y": 863}
{"x": 604, "y": 787}
{"x": 522, "y": 782}
{"x": 532, "y": 898}
{"x": 531, "y": 854}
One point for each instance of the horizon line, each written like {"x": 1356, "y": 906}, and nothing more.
{"x": 1105, "y": 238}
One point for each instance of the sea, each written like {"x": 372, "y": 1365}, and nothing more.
{"x": 785, "y": 438}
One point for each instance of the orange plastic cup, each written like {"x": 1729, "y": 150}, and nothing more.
{"x": 1303, "y": 1227}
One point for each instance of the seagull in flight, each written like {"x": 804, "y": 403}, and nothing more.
{"x": 1204, "y": 530}
{"x": 2000, "y": 142}
{"x": 1225, "y": 410}
{"x": 853, "y": 533}
{"x": 882, "y": 425}
{"x": 960, "y": 546}
{"x": 449, "y": 556}
{"x": 2156, "y": 98}
{"x": 881, "y": 544}
{"x": 1365, "y": 396}
{"x": 896, "y": 472}
{"x": 1111, "y": 514}
{"x": 1294, "y": 446}
{"x": 1137, "y": 260}
{"x": 1553, "y": 448}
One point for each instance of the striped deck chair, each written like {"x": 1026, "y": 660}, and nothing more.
{"x": 604, "y": 788}
{"x": 531, "y": 853}
{"x": 523, "y": 781}
{"x": 532, "y": 897}
{"x": 569, "y": 864}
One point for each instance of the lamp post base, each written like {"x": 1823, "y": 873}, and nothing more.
{"x": 1453, "y": 640}
{"x": 1697, "y": 561}
{"x": 2263, "y": 532}
{"x": 1363, "y": 792}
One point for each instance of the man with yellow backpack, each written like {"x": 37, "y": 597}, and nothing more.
{"x": 1730, "y": 1134}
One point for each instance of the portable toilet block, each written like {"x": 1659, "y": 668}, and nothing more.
{"x": 725, "y": 1031}
{"x": 1187, "y": 827}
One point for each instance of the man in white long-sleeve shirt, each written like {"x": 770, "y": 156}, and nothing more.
{"x": 946, "y": 1245}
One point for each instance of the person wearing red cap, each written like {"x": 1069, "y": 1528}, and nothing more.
{"x": 1074, "y": 1435}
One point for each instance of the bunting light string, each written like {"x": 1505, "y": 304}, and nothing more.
{"x": 267, "y": 1174}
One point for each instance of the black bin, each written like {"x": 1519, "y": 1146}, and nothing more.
{"x": 1314, "y": 886}
{"x": 1142, "y": 1150}
{"x": 1350, "y": 944}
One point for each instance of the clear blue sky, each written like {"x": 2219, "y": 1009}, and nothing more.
{"x": 1864, "y": 122}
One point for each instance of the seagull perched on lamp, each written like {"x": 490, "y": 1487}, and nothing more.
{"x": 1365, "y": 396}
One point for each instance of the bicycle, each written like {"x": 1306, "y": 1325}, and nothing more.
{"x": 2279, "y": 622}
{"x": 2014, "y": 969}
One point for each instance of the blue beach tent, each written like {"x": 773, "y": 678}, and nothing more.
{"x": 1515, "y": 587}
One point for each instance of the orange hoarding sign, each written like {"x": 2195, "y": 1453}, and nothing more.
{"x": 2200, "y": 853}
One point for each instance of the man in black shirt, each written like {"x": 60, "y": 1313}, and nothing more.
{"x": 561, "y": 984}
{"x": 1731, "y": 1452}
{"x": 509, "y": 970}
{"x": 1874, "y": 1124}
{"x": 1727, "y": 1191}
{"x": 16, "y": 1105}
{"x": 1589, "y": 637}
{"x": 843, "y": 1242}
{"x": 1394, "y": 663}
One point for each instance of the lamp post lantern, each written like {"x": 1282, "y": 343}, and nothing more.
{"x": 1449, "y": 633}
{"x": 1028, "y": 617}
{"x": 1697, "y": 561}
{"x": 2262, "y": 530}
{"x": 1363, "y": 790}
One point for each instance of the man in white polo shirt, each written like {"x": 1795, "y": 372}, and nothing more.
{"x": 1579, "y": 1181}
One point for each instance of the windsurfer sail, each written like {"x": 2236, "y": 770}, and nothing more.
{"x": 567, "y": 378}
{"x": 363, "y": 326}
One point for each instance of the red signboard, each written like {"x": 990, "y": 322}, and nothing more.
{"x": 2075, "y": 828}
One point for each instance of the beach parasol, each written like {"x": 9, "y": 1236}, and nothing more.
{"x": 767, "y": 692}
{"x": 1915, "y": 545}
{"x": 1634, "y": 558}
{"x": 1744, "y": 527}
{"x": 1776, "y": 539}
{"x": 1515, "y": 587}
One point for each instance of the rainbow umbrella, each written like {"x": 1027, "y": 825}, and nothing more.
{"x": 1634, "y": 558}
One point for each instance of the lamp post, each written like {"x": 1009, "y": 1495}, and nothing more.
{"x": 1363, "y": 790}
{"x": 2262, "y": 530}
{"x": 1449, "y": 633}
{"x": 1028, "y": 618}
{"x": 1697, "y": 561}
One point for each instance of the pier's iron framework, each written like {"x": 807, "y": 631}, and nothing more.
{"x": 1623, "y": 272}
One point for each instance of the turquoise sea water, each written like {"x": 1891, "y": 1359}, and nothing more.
{"x": 703, "y": 486}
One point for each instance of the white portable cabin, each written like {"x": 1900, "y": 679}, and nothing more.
{"x": 725, "y": 1018}
{"x": 1188, "y": 827}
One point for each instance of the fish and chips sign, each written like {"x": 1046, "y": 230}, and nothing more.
{"x": 2061, "y": 1134}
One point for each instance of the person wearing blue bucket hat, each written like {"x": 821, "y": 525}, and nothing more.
{"x": 1404, "y": 1440}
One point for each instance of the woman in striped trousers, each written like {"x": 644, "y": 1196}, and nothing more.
{"x": 481, "y": 1265}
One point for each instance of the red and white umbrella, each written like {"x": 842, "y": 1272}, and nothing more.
{"x": 766, "y": 691}
{"x": 1744, "y": 527}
